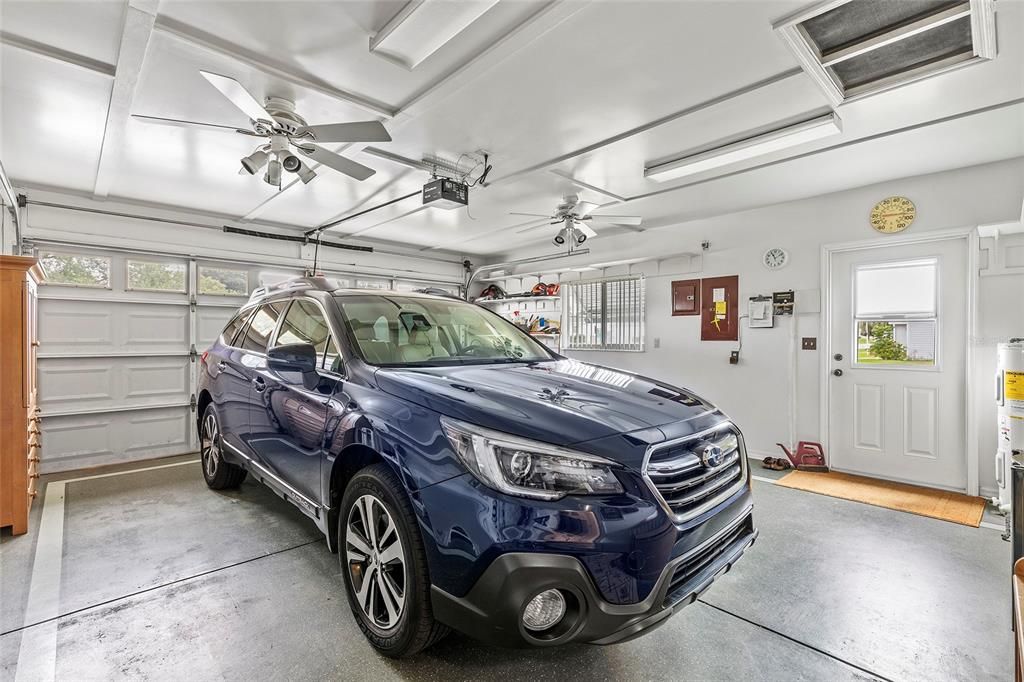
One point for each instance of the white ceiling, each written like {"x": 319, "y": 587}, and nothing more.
{"x": 584, "y": 90}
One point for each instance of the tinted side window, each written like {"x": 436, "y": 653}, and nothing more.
{"x": 261, "y": 327}
{"x": 228, "y": 335}
{"x": 305, "y": 323}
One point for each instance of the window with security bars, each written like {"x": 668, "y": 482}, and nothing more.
{"x": 603, "y": 315}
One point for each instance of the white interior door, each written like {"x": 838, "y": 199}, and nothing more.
{"x": 898, "y": 364}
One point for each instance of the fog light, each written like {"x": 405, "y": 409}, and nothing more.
{"x": 544, "y": 610}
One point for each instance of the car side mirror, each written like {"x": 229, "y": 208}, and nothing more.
{"x": 295, "y": 357}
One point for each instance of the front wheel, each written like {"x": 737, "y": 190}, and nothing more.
{"x": 219, "y": 474}
{"x": 384, "y": 565}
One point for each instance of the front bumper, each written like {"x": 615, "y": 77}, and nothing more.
{"x": 492, "y": 610}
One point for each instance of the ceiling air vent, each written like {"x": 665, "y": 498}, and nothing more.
{"x": 853, "y": 48}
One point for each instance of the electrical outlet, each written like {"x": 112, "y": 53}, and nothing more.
{"x": 657, "y": 342}
{"x": 734, "y": 357}
{"x": 809, "y": 343}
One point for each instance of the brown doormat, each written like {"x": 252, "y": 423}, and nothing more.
{"x": 937, "y": 504}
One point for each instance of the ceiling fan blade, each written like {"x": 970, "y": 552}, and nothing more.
{"x": 586, "y": 229}
{"x": 530, "y": 215}
{"x": 337, "y": 162}
{"x": 356, "y": 131}
{"x": 584, "y": 207}
{"x": 191, "y": 124}
{"x": 616, "y": 219}
{"x": 238, "y": 95}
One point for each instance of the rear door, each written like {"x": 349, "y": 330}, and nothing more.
{"x": 288, "y": 416}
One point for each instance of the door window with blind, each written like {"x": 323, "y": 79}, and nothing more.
{"x": 895, "y": 314}
{"x": 603, "y": 315}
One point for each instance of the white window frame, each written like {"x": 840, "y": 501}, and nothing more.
{"x": 168, "y": 261}
{"x": 637, "y": 325}
{"x": 43, "y": 253}
{"x": 936, "y": 366}
{"x": 228, "y": 294}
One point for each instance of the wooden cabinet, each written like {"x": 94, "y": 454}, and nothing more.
{"x": 20, "y": 433}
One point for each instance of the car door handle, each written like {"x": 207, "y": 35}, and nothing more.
{"x": 259, "y": 384}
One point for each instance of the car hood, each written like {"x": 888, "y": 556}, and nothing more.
{"x": 560, "y": 402}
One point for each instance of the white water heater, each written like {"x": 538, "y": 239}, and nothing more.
{"x": 1010, "y": 403}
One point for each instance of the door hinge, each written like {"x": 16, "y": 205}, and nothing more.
{"x": 192, "y": 353}
{"x": 192, "y": 302}
{"x": 192, "y": 404}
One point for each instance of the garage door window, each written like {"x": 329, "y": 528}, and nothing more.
{"x": 223, "y": 281}
{"x": 77, "y": 270}
{"x": 154, "y": 276}
{"x": 257, "y": 335}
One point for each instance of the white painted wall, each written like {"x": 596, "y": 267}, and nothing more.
{"x": 756, "y": 392}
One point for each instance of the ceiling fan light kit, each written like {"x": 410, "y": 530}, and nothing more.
{"x": 285, "y": 131}
{"x": 574, "y": 215}
{"x": 746, "y": 149}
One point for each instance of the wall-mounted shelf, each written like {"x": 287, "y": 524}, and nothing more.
{"x": 516, "y": 299}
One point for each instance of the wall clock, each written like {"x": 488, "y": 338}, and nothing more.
{"x": 775, "y": 258}
{"x": 892, "y": 215}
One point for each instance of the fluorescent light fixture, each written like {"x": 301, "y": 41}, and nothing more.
{"x": 422, "y": 27}
{"x": 743, "y": 150}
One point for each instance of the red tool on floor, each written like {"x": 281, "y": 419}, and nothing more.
{"x": 809, "y": 456}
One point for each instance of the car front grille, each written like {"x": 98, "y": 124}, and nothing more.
{"x": 689, "y": 485}
{"x": 687, "y": 574}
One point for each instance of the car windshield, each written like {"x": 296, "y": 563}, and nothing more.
{"x": 412, "y": 331}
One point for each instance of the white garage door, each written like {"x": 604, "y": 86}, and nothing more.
{"x": 120, "y": 334}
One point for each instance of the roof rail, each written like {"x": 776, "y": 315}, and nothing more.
{"x": 317, "y": 283}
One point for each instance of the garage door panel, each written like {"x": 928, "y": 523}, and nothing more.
{"x": 62, "y": 325}
{"x": 166, "y": 328}
{"x": 67, "y": 326}
{"x": 73, "y": 384}
{"x": 78, "y": 441}
{"x": 210, "y": 322}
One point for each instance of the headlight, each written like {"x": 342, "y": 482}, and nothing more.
{"x": 527, "y": 468}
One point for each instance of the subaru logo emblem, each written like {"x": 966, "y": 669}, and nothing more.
{"x": 711, "y": 456}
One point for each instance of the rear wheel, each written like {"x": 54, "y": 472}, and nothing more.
{"x": 219, "y": 474}
{"x": 384, "y": 565}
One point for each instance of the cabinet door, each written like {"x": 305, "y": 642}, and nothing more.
{"x": 31, "y": 327}
{"x": 686, "y": 297}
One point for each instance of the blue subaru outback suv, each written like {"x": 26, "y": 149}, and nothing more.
{"x": 467, "y": 476}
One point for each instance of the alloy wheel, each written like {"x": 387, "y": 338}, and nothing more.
{"x": 376, "y": 562}
{"x": 210, "y": 446}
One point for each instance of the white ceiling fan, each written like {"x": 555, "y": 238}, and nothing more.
{"x": 285, "y": 130}
{"x": 574, "y": 216}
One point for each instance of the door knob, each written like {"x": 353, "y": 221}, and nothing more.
{"x": 837, "y": 372}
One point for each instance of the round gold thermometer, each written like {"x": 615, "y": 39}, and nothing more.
{"x": 893, "y": 215}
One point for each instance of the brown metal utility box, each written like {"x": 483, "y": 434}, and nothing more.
{"x": 719, "y": 308}
{"x": 686, "y": 297}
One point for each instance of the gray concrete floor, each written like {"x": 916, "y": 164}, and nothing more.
{"x": 164, "y": 579}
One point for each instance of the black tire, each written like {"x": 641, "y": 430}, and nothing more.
{"x": 218, "y": 472}
{"x": 415, "y": 628}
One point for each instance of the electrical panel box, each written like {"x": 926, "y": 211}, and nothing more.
{"x": 445, "y": 193}
{"x": 686, "y": 297}
{"x": 719, "y": 308}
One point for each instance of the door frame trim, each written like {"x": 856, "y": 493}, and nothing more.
{"x": 970, "y": 237}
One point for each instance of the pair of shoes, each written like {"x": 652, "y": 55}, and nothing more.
{"x": 776, "y": 464}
